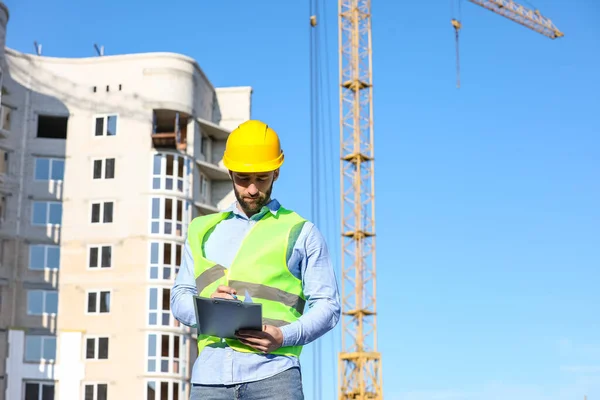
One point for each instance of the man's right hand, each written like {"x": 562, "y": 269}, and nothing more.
{"x": 224, "y": 292}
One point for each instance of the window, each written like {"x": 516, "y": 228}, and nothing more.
{"x": 52, "y": 127}
{"x": 96, "y": 391}
{"x": 104, "y": 169}
{"x": 39, "y": 391}
{"x": 43, "y": 256}
{"x": 102, "y": 212}
{"x": 3, "y": 162}
{"x": 164, "y": 351}
{"x": 203, "y": 187}
{"x": 46, "y": 213}
{"x": 168, "y": 216}
{"x": 49, "y": 169}
{"x": 170, "y": 172}
{"x": 96, "y": 348}
{"x": 100, "y": 257}
{"x": 5, "y": 117}
{"x": 165, "y": 259}
{"x": 159, "y": 308}
{"x": 164, "y": 389}
{"x": 3, "y": 207}
{"x": 40, "y": 302}
{"x": 98, "y": 302}
{"x": 106, "y": 125}
{"x": 40, "y": 348}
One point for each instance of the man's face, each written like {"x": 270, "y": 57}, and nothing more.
{"x": 253, "y": 191}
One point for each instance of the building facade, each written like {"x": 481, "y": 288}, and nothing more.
{"x": 103, "y": 163}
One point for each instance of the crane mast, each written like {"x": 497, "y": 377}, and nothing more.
{"x": 359, "y": 360}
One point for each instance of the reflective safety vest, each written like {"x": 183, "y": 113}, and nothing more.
{"x": 260, "y": 267}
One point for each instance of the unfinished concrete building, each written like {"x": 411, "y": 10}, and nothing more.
{"x": 103, "y": 163}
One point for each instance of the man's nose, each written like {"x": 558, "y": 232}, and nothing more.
{"x": 252, "y": 189}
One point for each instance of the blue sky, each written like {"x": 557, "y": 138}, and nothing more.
{"x": 488, "y": 222}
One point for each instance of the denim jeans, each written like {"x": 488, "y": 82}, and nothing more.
{"x": 286, "y": 385}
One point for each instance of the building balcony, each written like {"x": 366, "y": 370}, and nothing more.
{"x": 169, "y": 130}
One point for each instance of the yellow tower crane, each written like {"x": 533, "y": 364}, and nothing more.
{"x": 360, "y": 373}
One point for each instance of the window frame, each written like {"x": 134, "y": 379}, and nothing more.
{"x": 48, "y": 204}
{"x": 43, "y": 339}
{"x": 185, "y": 180}
{"x": 45, "y": 294}
{"x": 95, "y": 385}
{"x": 185, "y": 214}
{"x": 12, "y": 110}
{"x": 96, "y": 348}
{"x": 158, "y": 358}
{"x": 159, "y": 312}
{"x": 103, "y": 168}
{"x": 98, "y": 293}
{"x": 40, "y": 384}
{"x": 160, "y": 265}
{"x": 101, "y": 220}
{"x": 105, "y": 117}
{"x": 51, "y": 161}
{"x": 171, "y": 384}
{"x": 99, "y": 247}
{"x": 45, "y": 246}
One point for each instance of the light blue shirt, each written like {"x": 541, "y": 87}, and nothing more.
{"x": 309, "y": 261}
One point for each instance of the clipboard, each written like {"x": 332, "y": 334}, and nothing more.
{"x": 224, "y": 317}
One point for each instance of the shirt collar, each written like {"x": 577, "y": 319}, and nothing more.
{"x": 272, "y": 207}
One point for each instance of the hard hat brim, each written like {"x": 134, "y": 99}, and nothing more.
{"x": 268, "y": 166}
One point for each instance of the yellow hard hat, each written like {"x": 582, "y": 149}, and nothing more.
{"x": 253, "y": 147}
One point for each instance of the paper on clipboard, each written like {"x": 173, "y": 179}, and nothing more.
{"x": 247, "y": 298}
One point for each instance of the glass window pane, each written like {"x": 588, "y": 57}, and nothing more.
{"x": 154, "y": 273}
{"x": 178, "y": 254}
{"x": 157, "y": 160}
{"x": 176, "y": 350}
{"x": 153, "y": 299}
{"x": 151, "y": 390}
{"x": 103, "y": 348}
{"x": 104, "y": 302}
{"x": 32, "y": 391}
{"x": 95, "y": 212}
{"x": 55, "y": 213}
{"x": 58, "y": 170}
{"x": 51, "y": 306}
{"x": 154, "y": 253}
{"x": 108, "y": 212}
{"x": 164, "y": 346}
{"x": 102, "y": 391}
{"x": 33, "y": 348}
{"x": 48, "y": 392}
{"x": 40, "y": 212}
{"x": 93, "y": 257}
{"x": 110, "y": 168}
{"x": 168, "y": 208}
{"x": 97, "y": 169}
{"x": 175, "y": 391}
{"x": 169, "y": 165}
{"x": 36, "y": 257}
{"x": 151, "y": 365}
{"x": 92, "y": 302}
{"x": 89, "y": 392}
{"x": 155, "y": 183}
{"x": 42, "y": 169}
{"x": 152, "y": 346}
{"x": 90, "y": 349}
{"x": 99, "y": 130}
{"x": 49, "y": 348}
{"x": 180, "y": 165}
{"x": 164, "y": 390}
{"x": 106, "y": 256}
{"x": 35, "y": 302}
{"x": 166, "y": 298}
{"x": 111, "y": 126}
{"x": 53, "y": 257}
{"x": 167, "y": 253}
{"x": 155, "y": 208}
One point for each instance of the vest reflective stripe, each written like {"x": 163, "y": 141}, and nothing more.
{"x": 259, "y": 267}
{"x": 256, "y": 290}
{"x": 210, "y": 276}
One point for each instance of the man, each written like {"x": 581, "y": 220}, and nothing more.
{"x": 277, "y": 257}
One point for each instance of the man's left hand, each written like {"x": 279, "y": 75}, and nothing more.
{"x": 267, "y": 340}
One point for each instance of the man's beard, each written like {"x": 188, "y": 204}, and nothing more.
{"x": 256, "y": 203}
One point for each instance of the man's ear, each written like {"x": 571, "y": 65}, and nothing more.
{"x": 275, "y": 174}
